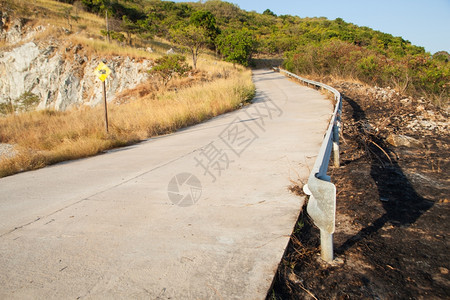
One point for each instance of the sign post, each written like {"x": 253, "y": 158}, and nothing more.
{"x": 106, "y": 107}
{"x": 102, "y": 71}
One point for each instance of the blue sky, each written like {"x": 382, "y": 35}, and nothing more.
{"x": 424, "y": 23}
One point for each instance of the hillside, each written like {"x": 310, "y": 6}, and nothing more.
{"x": 308, "y": 46}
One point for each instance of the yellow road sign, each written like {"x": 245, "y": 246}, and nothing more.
{"x": 102, "y": 71}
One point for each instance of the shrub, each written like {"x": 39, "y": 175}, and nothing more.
{"x": 169, "y": 66}
{"x": 6, "y": 108}
{"x": 118, "y": 36}
{"x": 236, "y": 46}
{"x": 27, "y": 101}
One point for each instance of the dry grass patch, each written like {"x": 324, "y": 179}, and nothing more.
{"x": 55, "y": 13}
{"x": 100, "y": 47}
{"x": 86, "y": 27}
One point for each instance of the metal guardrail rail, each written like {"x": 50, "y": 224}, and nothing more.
{"x": 322, "y": 201}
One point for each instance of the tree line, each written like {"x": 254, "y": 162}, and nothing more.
{"x": 308, "y": 45}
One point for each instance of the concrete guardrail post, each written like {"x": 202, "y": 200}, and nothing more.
{"x": 336, "y": 146}
{"x": 322, "y": 209}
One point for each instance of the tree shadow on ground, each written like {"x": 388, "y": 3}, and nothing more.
{"x": 401, "y": 203}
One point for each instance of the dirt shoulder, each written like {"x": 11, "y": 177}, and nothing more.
{"x": 392, "y": 222}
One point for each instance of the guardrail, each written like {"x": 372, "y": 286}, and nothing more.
{"x": 322, "y": 201}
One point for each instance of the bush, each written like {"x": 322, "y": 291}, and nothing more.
{"x": 27, "y": 101}
{"x": 118, "y": 36}
{"x": 169, "y": 66}
{"x": 236, "y": 46}
{"x": 6, "y": 108}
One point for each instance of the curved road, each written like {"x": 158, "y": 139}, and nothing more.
{"x": 204, "y": 213}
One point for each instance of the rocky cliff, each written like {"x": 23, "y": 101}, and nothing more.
{"x": 59, "y": 72}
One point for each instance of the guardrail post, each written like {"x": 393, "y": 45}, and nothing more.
{"x": 322, "y": 209}
{"x": 326, "y": 245}
{"x": 336, "y": 145}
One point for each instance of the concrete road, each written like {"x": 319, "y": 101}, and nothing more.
{"x": 204, "y": 213}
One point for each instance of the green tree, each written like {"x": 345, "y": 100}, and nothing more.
{"x": 169, "y": 66}
{"x": 268, "y": 12}
{"x": 27, "y": 101}
{"x": 442, "y": 56}
{"x": 147, "y": 28}
{"x": 193, "y": 38}
{"x": 96, "y": 6}
{"x": 207, "y": 21}
{"x": 129, "y": 27}
{"x": 236, "y": 46}
{"x": 224, "y": 11}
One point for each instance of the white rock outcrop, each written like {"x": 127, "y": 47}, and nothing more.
{"x": 63, "y": 76}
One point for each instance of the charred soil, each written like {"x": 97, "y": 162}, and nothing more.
{"x": 391, "y": 238}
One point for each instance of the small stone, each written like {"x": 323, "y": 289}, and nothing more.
{"x": 403, "y": 140}
{"x": 405, "y": 101}
{"x": 7, "y": 151}
{"x": 444, "y": 271}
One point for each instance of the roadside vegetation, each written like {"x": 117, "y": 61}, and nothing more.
{"x": 418, "y": 75}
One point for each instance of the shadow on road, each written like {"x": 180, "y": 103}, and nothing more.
{"x": 266, "y": 63}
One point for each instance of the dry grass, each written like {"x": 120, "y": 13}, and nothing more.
{"x": 52, "y": 12}
{"x": 104, "y": 48}
{"x": 47, "y": 137}
{"x": 86, "y": 30}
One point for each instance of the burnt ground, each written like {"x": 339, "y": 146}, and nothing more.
{"x": 392, "y": 217}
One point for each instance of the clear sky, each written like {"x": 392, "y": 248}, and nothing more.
{"x": 424, "y": 23}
